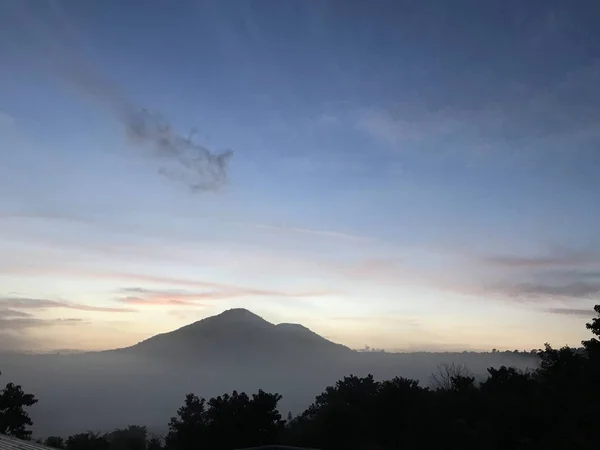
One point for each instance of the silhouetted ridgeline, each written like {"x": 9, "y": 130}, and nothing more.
{"x": 238, "y": 335}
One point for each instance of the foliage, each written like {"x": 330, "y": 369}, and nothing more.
{"x": 131, "y": 438}
{"x": 224, "y": 422}
{"x": 14, "y": 420}
{"x": 55, "y": 442}
{"x": 87, "y": 441}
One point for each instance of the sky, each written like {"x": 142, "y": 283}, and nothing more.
{"x": 407, "y": 175}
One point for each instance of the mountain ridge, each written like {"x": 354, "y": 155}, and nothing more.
{"x": 238, "y": 334}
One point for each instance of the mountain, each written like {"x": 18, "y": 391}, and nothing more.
{"x": 236, "y": 335}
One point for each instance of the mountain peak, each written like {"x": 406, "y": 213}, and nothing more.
{"x": 237, "y": 315}
{"x": 238, "y": 334}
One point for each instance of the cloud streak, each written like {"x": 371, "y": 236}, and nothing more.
{"x": 14, "y": 321}
{"x": 578, "y": 312}
{"x": 170, "y": 297}
{"x": 532, "y": 289}
{"x": 314, "y": 232}
{"x": 564, "y": 259}
{"x": 39, "y": 304}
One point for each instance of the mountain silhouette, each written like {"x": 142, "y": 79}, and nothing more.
{"x": 236, "y": 335}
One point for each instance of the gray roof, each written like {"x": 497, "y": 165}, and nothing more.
{"x": 10, "y": 443}
{"x": 276, "y": 447}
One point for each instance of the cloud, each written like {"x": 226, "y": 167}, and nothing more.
{"x": 225, "y": 288}
{"x": 32, "y": 322}
{"x": 12, "y": 321}
{"x": 579, "y": 312}
{"x": 515, "y": 121}
{"x": 143, "y": 296}
{"x": 6, "y": 120}
{"x": 157, "y": 297}
{"x": 183, "y": 159}
{"x": 15, "y": 326}
{"x": 399, "y": 127}
{"x": 11, "y": 313}
{"x": 37, "y": 303}
{"x": 314, "y": 232}
{"x": 395, "y": 321}
{"x": 532, "y": 289}
{"x": 562, "y": 259}
{"x": 156, "y": 301}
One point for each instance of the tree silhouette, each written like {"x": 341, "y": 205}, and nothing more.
{"x": 188, "y": 428}
{"x": 14, "y": 420}
{"x": 154, "y": 443}
{"x": 451, "y": 377}
{"x": 55, "y": 442}
{"x": 87, "y": 441}
{"x": 224, "y": 422}
{"x": 131, "y": 438}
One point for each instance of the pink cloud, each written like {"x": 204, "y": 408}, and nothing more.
{"x": 157, "y": 301}
{"x": 218, "y": 290}
{"x": 41, "y": 303}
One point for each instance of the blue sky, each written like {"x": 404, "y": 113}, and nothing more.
{"x": 405, "y": 175}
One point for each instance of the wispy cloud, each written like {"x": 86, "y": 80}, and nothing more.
{"x": 558, "y": 259}
{"x": 403, "y": 127}
{"x": 6, "y": 120}
{"x": 32, "y": 322}
{"x": 40, "y": 303}
{"x": 172, "y": 297}
{"x": 518, "y": 121}
{"x": 130, "y": 300}
{"x": 579, "y": 312}
{"x": 183, "y": 159}
{"x": 12, "y": 320}
{"x": 11, "y": 313}
{"x": 314, "y": 232}
{"x": 157, "y": 297}
{"x": 547, "y": 290}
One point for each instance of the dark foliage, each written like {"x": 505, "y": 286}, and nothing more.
{"x": 14, "y": 420}
{"x": 55, "y": 442}
{"x": 87, "y": 441}
{"x": 226, "y": 422}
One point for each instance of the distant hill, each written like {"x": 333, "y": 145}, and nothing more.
{"x": 237, "y": 335}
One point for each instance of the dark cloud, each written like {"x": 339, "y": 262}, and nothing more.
{"x": 183, "y": 160}
{"x": 22, "y": 323}
{"x": 580, "y": 312}
{"x": 10, "y": 313}
{"x": 549, "y": 289}
{"x": 564, "y": 258}
{"x": 14, "y": 327}
{"x": 40, "y": 303}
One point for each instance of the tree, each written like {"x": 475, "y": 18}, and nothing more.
{"x": 131, "y": 438}
{"x": 14, "y": 420}
{"x": 227, "y": 421}
{"x": 154, "y": 443}
{"x": 87, "y": 441}
{"x": 592, "y": 345}
{"x": 188, "y": 428}
{"x": 450, "y": 377}
{"x": 55, "y": 442}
